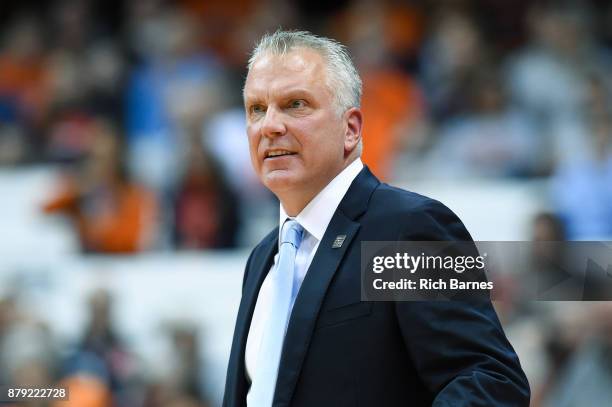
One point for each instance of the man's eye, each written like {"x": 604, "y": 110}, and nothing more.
{"x": 257, "y": 109}
{"x": 297, "y": 104}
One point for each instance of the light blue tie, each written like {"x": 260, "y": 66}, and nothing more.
{"x": 268, "y": 360}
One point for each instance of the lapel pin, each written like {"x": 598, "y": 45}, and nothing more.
{"x": 338, "y": 242}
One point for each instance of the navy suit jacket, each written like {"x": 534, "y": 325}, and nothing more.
{"x": 340, "y": 351}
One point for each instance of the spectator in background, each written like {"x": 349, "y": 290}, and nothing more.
{"x": 85, "y": 79}
{"x": 452, "y": 51}
{"x": 561, "y": 50}
{"x": 189, "y": 372}
{"x": 547, "y": 275}
{"x": 392, "y": 101}
{"x": 582, "y": 188}
{"x": 206, "y": 209}
{"x": 582, "y": 185}
{"x": 392, "y": 98}
{"x": 580, "y": 350}
{"x": 23, "y": 90}
{"x": 111, "y": 214}
{"x": 173, "y": 87}
{"x": 547, "y": 227}
{"x": 183, "y": 383}
{"x": 489, "y": 139}
{"x": 549, "y": 77}
{"x": 100, "y": 369}
{"x": 28, "y": 353}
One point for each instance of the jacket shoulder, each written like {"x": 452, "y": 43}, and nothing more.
{"x": 400, "y": 200}
{"x": 420, "y": 217}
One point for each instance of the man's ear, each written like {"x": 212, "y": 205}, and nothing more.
{"x": 354, "y": 123}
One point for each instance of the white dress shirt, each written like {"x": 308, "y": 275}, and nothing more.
{"x": 314, "y": 218}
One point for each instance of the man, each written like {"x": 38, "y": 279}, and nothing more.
{"x": 302, "y": 336}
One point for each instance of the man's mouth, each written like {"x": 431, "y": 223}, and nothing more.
{"x": 278, "y": 153}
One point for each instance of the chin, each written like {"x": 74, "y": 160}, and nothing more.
{"x": 279, "y": 181}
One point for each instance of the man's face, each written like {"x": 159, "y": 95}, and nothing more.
{"x": 296, "y": 136}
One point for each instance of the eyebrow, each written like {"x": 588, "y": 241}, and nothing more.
{"x": 298, "y": 92}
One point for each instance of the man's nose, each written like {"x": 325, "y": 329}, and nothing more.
{"x": 273, "y": 124}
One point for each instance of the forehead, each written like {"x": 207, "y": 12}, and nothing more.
{"x": 300, "y": 69}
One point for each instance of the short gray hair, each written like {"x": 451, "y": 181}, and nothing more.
{"x": 342, "y": 76}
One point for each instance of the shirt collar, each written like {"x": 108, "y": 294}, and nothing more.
{"x": 315, "y": 217}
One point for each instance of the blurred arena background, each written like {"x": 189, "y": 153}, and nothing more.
{"x": 128, "y": 204}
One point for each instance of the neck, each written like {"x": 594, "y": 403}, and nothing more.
{"x": 295, "y": 200}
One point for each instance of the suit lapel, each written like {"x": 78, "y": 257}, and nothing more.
{"x": 261, "y": 262}
{"x": 320, "y": 273}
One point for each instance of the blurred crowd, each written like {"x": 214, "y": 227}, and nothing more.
{"x": 99, "y": 370}
{"x": 138, "y": 104}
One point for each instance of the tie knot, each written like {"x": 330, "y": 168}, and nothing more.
{"x": 292, "y": 233}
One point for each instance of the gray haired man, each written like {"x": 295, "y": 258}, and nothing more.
{"x": 303, "y": 336}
